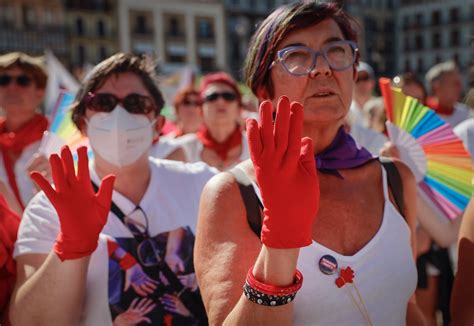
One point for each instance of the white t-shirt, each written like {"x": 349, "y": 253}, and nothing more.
{"x": 460, "y": 113}
{"x": 193, "y": 147}
{"x": 357, "y": 115}
{"x": 170, "y": 204}
{"x": 25, "y": 184}
{"x": 164, "y": 147}
{"x": 465, "y": 131}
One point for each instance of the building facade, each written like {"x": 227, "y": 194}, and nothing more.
{"x": 433, "y": 31}
{"x": 92, "y": 30}
{"x": 31, "y": 26}
{"x": 376, "y": 30}
{"x": 177, "y": 32}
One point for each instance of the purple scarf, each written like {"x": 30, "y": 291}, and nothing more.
{"x": 343, "y": 153}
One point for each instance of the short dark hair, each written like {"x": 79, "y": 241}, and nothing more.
{"x": 32, "y": 65}
{"x": 410, "y": 78}
{"x": 282, "y": 21}
{"x": 115, "y": 65}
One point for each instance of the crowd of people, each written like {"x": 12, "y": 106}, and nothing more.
{"x": 225, "y": 220}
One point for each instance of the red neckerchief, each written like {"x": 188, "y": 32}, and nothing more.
{"x": 433, "y": 103}
{"x": 9, "y": 223}
{"x": 13, "y": 143}
{"x": 222, "y": 149}
{"x": 178, "y": 132}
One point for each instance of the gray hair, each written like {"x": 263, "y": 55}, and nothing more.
{"x": 439, "y": 70}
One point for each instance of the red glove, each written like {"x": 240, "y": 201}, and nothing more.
{"x": 82, "y": 213}
{"x": 286, "y": 174}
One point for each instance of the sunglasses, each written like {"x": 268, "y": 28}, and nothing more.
{"x": 191, "y": 103}
{"x": 227, "y": 96}
{"x": 20, "y": 80}
{"x": 133, "y": 103}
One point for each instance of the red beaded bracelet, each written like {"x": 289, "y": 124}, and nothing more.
{"x": 273, "y": 289}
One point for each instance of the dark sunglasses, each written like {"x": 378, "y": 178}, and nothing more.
{"x": 228, "y": 96}
{"x": 133, "y": 103}
{"x": 21, "y": 80}
{"x": 193, "y": 103}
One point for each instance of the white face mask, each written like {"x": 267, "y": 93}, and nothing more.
{"x": 120, "y": 137}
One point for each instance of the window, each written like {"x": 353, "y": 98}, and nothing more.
{"x": 174, "y": 27}
{"x": 406, "y": 43}
{"x": 176, "y": 58}
{"x": 205, "y": 28}
{"x": 79, "y": 27}
{"x": 455, "y": 38}
{"x": 418, "y": 20}
{"x": 437, "y": 59}
{"x": 207, "y": 64}
{"x": 141, "y": 25}
{"x": 102, "y": 53}
{"x": 81, "y": 54}
{"x": 420, "y": 65}
{"x": 419, "y": 42}
{"x": 406, "y": 22}
{"x": 436, "y": 17}
{"x": 407, "y": 65}
{"x": 436, "y": 41}
{"x": 100, "y": 28}
{"x": 454, "y": 15}
{"x": 29, "y": 16}
{"x": 456, "y": 59}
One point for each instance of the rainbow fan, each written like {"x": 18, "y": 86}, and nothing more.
{"x": 62, "y": 130}
{"x": 442, "y": 166}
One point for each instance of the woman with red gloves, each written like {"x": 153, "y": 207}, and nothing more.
{"x": 330, "y": 246}
{"x": 116, "y": 251}
{"x": 220, "y": 141}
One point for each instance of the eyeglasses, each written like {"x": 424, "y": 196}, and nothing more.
{"x": 300, "y": 60}
{"x": 20, "y": 80}
{"x": 133, "y": 103}
{"x": 228, "y": 96}
{"x": 191, "y": 103}
{"x": 148, "y": 252}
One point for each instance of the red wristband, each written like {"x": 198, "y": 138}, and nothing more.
{"x": 274, "y": 289}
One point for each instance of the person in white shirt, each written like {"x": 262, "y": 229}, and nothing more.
{"x": 444, "y": 81}
{"x": 22, "y": 87}
{"x": 82, "y": 259}
{"x": 363, "y": 92}
{"x": 220, "y": 142}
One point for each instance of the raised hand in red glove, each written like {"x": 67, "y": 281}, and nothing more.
{"x": 82, "y": 213}
{"x": 286, "y": 174}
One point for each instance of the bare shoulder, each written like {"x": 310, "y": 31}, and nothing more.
{"x": 225, "y": 246}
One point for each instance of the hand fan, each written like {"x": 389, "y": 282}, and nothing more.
{"x": 441, "y": 165}
{"x": 62, "y": 130}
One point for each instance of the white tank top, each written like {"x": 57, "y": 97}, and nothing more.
{"x": 385, "y": 275}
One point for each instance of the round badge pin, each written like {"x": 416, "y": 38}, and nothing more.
{"x": 328, "y": 265}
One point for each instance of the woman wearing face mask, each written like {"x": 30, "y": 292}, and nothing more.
{"x": 82, "y": 259}
{"x": 333, "y": 245}
{"x": 220, "y": 141}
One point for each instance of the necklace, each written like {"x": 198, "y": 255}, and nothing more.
{"x": 346, "y": 276}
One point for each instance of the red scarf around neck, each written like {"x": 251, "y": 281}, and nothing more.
{"x": 12, "y": 145}
{"x": 222, "y": 149}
